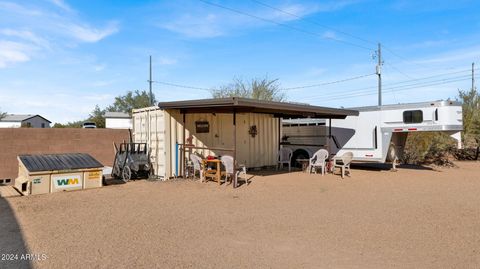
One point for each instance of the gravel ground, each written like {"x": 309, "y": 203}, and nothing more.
{"x": 413, "y": 218}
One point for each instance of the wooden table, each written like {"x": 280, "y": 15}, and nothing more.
{"x": 217, "y": 175}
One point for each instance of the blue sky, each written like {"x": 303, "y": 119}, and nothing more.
{"x": 60, "y": 58}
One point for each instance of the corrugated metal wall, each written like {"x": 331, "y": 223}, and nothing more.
{"x": 163, "y": 130}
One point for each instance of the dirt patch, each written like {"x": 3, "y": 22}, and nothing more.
{"x": 413, "y": 218}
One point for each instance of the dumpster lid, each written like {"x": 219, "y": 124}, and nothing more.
{"x": 53, "y": 162}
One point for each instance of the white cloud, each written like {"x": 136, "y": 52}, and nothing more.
{"x": 455, "y": 56}
{"x": 61, "y": 4}
{"x": 38, "y": 29}
{"x": 330, "y": 35}
{"x": 25, "y": 35}
{"x": 13, "y": 52}
{"x": 89, "y": 34}
{"x": 193, "y": 22}
{"x": 195, "y": 26}
{"x": 18, "y": 9}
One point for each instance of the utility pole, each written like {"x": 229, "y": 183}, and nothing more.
{"x": 379, "y": 73}
{"x": 150, "y": 81}
{"x": 473, "y": 76}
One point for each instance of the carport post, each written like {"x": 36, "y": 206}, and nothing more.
{"x": 279, "y": 136}
{"x": 184, "y": 149}
{"x": 234, "y": 148}
{"x": 329, "y": 134}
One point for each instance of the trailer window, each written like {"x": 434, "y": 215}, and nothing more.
{"x": 412, "y": 116}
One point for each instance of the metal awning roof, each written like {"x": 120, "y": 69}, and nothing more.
{"x": 237, "y": 104}
{"x": 55, "y": 162}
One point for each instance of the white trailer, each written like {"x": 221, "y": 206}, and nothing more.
{"x": 378, "y": 134}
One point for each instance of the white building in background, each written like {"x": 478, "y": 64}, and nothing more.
{"x": 29, "y": 121}
{"x": 118, "y": 120}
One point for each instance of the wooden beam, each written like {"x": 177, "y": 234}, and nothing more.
{"x": 234, "y": 147}
{"x": 184, "y": 149}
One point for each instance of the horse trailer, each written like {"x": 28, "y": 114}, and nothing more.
{"x": 378, "y": 134}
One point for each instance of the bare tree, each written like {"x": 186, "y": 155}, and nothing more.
{"x": 257, "y": 88}
{"x": 2, "y": 115}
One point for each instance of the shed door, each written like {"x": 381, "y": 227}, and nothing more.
{"x": 149, "y": 127}
{"x": 158, "y": 142}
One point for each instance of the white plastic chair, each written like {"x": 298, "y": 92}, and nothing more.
{"x": 318, "y": 160}
{"x": 345, "y": 160}
{"x": 285, "y": 157}
{"x": 197, "y": 165}
{"x": 230, "y": 170}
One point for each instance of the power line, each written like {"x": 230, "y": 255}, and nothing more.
{"x": 398, "y": 70}
{"x": 182, "y": 86}
{"x": 285, "y": 25}
{"x": 390, "y": 86}
{"x": 327, "y": 83}
{"x": 313, "y": 22}
{"x": 391, "y": 90}
{"x": 408, "y": 82}
{"x": 339, "y": 31}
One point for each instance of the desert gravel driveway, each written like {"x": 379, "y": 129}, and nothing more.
{"x": 413, "y": 218}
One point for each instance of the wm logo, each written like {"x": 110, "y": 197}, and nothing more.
{"x": 67, "y": 181}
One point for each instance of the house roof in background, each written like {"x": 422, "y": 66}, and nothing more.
{"x": 20, "y": 117}
{"x": 279, "y": 109}
{"x": 55, "y": 162}
{"x": 119, "y": 115}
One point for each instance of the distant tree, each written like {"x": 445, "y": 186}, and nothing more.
{"x": 261, "y": 89}
{"x": 471, "y": 118}
{"x": 2, "y": 115}
{"x": 73, "y": 124}
{"x": 123, "y": 103}
{"x": 131, "y": 100}
{"x": 98, "y": 117}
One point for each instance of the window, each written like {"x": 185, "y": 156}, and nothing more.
{"x": 43, "y": 125}
{"x": 412, "y": 116}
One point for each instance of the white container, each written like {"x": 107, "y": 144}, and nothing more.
{"x": 162, "y": 130}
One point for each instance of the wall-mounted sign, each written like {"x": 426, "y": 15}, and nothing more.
{"x": 94, "y": 175}
{"x": 67, "y": 181}
{"x": 202, "y": 127}
{"x": 253, "y": 130}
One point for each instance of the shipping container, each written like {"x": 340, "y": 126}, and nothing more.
{"x": 257, "y": 137}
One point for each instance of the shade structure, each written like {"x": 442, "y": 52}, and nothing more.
{"x": 242, "y": 105}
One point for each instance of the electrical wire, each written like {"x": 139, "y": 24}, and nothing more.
{"x": 388, "y": 87}
{"x": 328, "y": 83}
{"x": 313, "y": 22}
{"x": 390, "y": 90}
{"x": 285, "y": 25}
{"x": 398, "y": 70}
{"x": 182, "y": 86}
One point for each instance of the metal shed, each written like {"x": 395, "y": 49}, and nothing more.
{"x": 249, "y": 130}
{"x": 45, "y": 173}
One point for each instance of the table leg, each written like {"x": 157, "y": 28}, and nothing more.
{"x": 219, "y": 174}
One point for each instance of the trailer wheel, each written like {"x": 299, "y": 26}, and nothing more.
{"x": 392, "y": 153}
{"x": 126, "y": 174}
